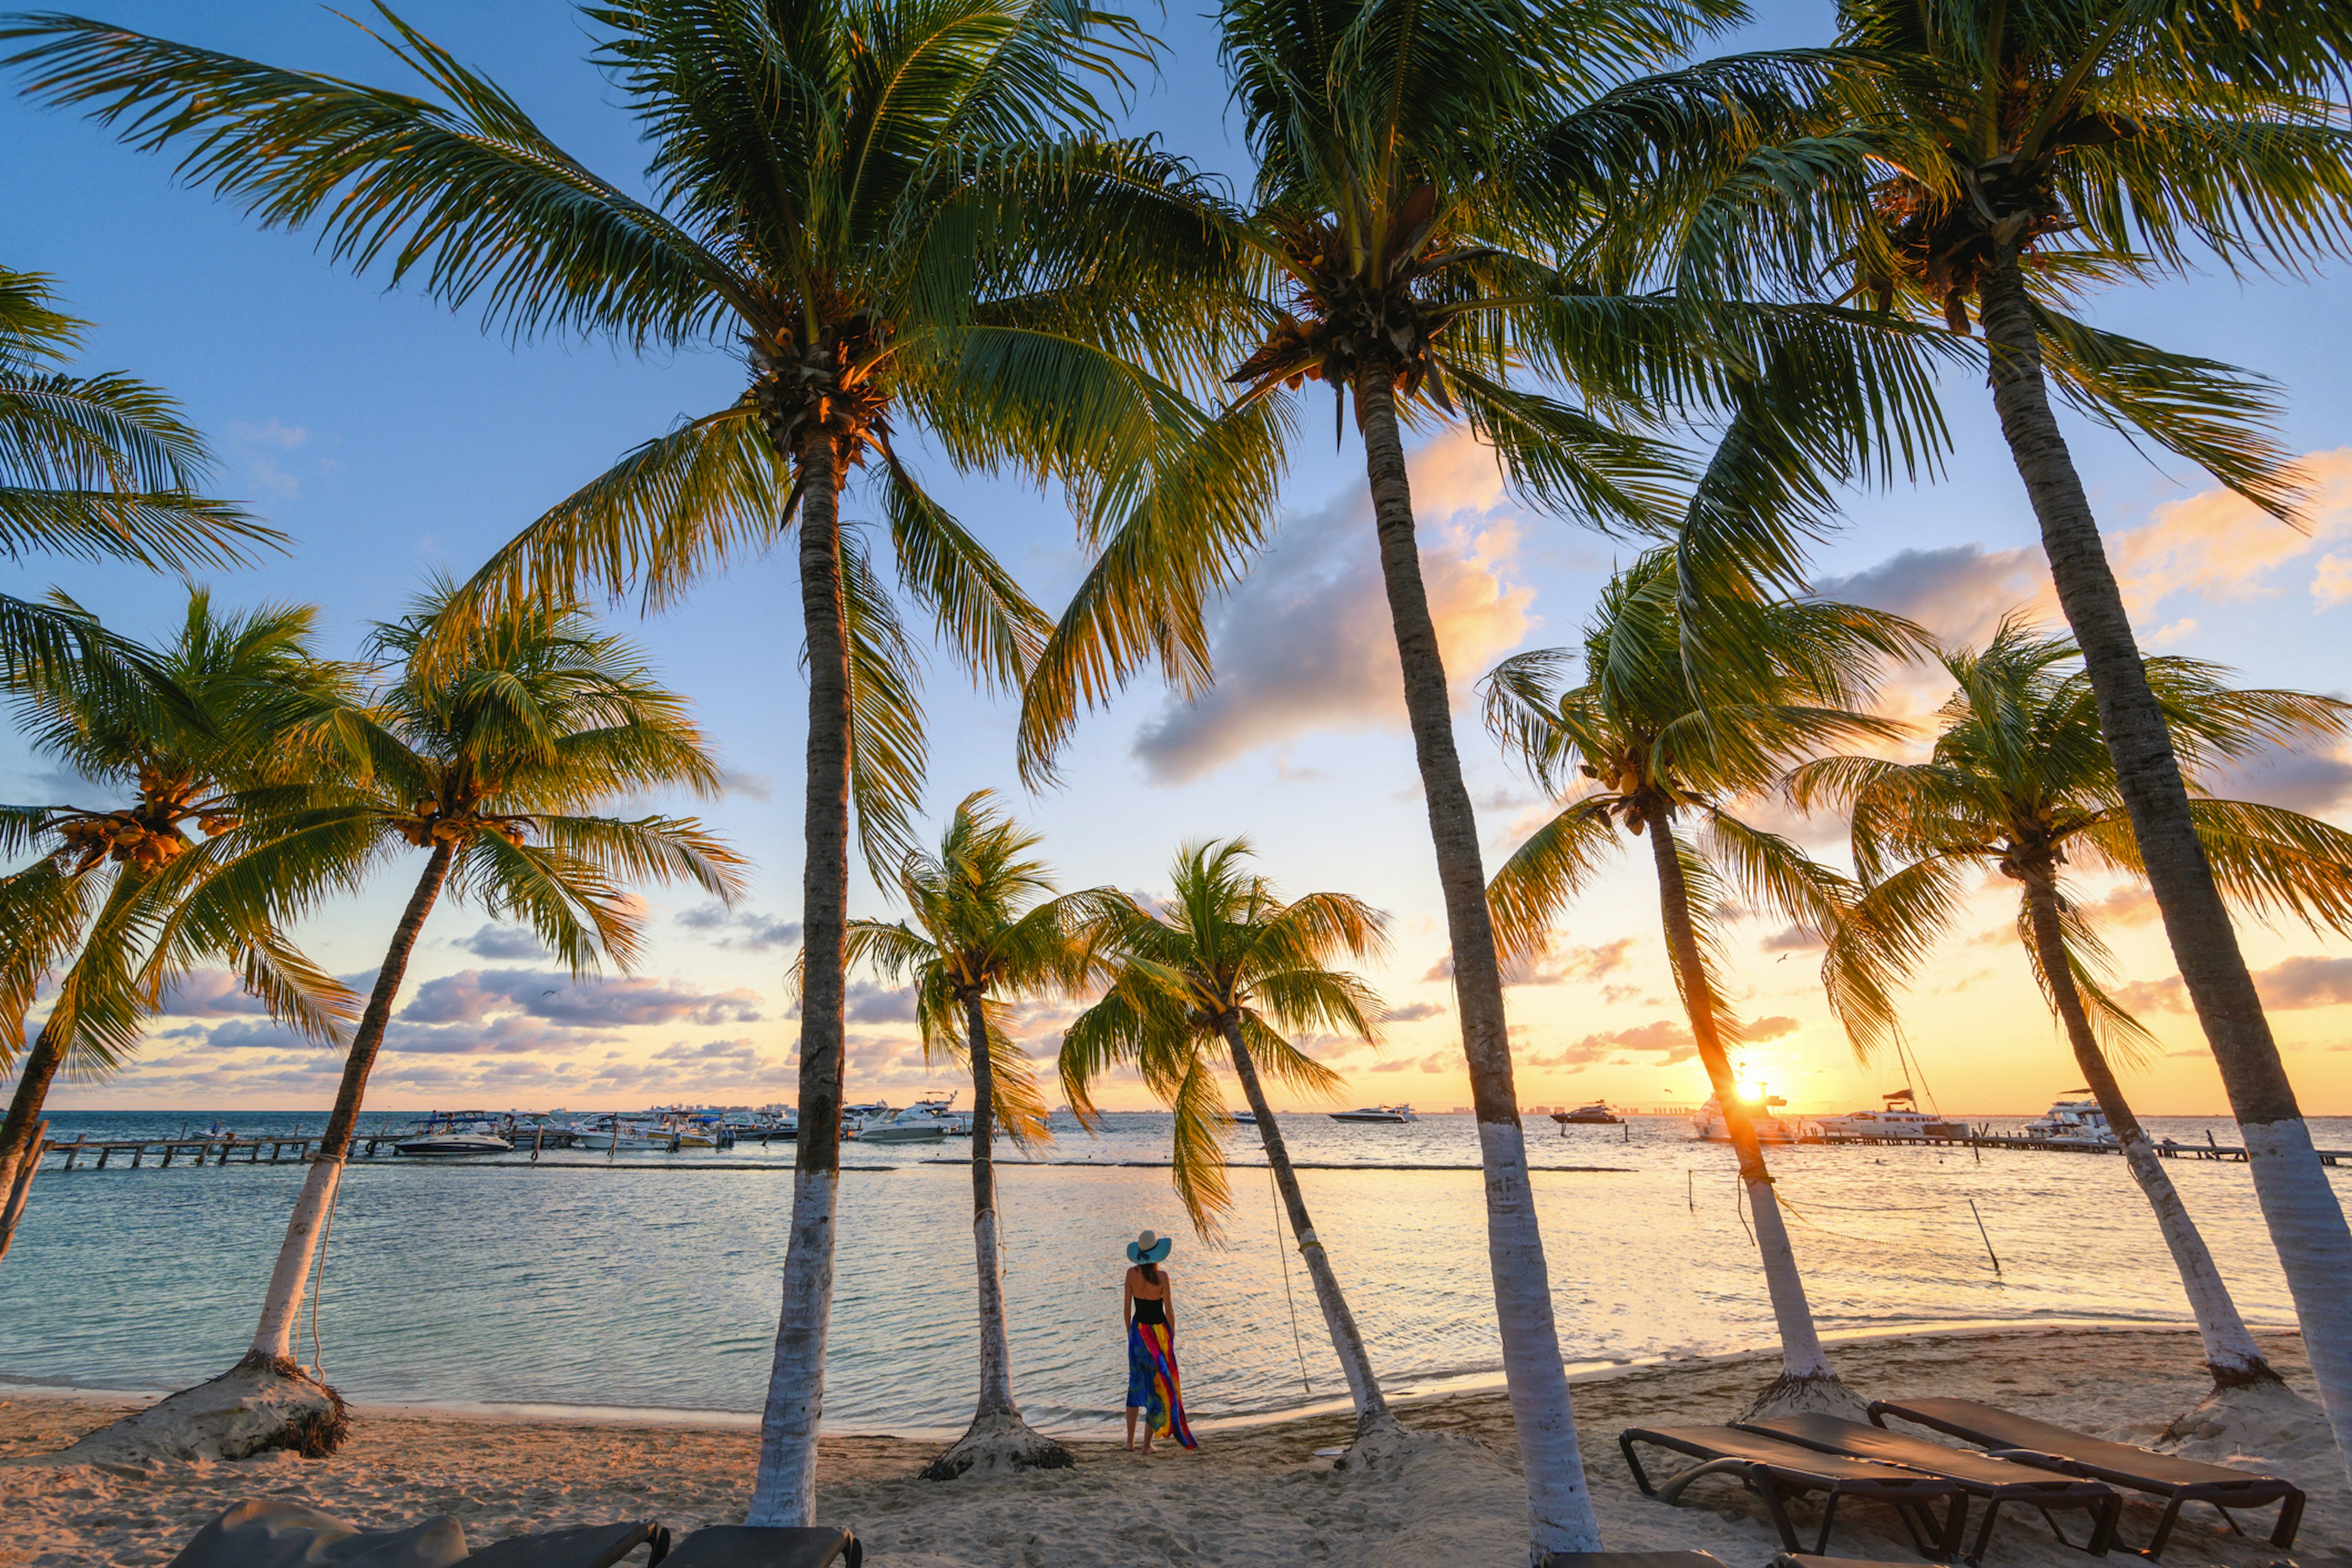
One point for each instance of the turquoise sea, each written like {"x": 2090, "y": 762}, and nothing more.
{"x": 650, "y": 1281}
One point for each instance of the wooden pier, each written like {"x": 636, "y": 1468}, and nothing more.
{"x": 291, "y": 1148}
{"x": 2226, "y": 1154}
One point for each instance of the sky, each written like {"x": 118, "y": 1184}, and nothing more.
{"x": 392, "y": 440}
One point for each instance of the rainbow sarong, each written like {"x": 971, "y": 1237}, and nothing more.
{"x": 1152, "y": 1386}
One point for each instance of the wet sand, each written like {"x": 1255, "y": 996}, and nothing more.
{"x": 1253, "y": 1495}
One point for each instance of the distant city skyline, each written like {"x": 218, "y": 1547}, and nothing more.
{"x": 392, "y": 440}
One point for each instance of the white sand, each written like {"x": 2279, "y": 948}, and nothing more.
{"x": 1250, "y": 1496}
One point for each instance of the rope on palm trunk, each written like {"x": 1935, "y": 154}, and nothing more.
{"x": 1297, "y": 1344}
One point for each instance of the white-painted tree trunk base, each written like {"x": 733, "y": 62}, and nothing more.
{"x": 784, "y": 1491}
{"x": 1816, "y": 1395}
{"x": 2265, "y": 1420}
{"x": 281, "y": 1309}
{"x": 249, "y": 1409}
{"x": 2314, "y": 1248}
{"x": 2229, "y": 1349}
{"x": 1559, "y": 1506}
{"x": 999, "y": 1443}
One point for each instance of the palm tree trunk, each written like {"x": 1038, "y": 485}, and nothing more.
{"x": 273, "y": 1341}
{"x": 2229, "y": 1351}
{"x": 16, "y": 1186}
{"x": 2305, "y": 1220}
{"x": 1560, "y": 1507}
{"x": 1804, "y": 1367}
{"x": 995, "y": 1349}
{"x": 784, "y": 1493}
{"x": 20, "y": 1132}
{"x": 1363, "y": 1384}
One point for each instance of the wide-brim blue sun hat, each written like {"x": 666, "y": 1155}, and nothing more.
{"x": 1149, "y": 1247}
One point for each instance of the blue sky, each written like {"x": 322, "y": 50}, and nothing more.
{"x": 391, "y": 439}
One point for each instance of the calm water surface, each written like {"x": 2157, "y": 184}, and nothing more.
{"x": 651, "y": 1282}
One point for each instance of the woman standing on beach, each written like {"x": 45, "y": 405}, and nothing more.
{"x": 1150, "y": 1308}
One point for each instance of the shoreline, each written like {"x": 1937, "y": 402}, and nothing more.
{"x": 1407, "y": 1393}
{"x": 1265, "y": 1495}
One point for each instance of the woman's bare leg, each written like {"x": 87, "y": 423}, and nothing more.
{"x": 1131, "y": 1428}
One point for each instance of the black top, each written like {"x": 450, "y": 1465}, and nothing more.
{"x": 1150, "y": 1309}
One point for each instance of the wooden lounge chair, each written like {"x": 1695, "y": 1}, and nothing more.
{"x": 1777, "y": 1469}
{"x": 2071, "y": 1453}
{"x": 764, "y": 1546}
{"x": 1632, "y": 1560}
{"x": 582, "y": 1546}
{"x": 1989, "y": 1481}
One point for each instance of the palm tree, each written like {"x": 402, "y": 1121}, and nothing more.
{"x": 1231, "y": 964}
{"x": 985, "y": 932}
{"x": 199, "y": 733}
{"x": 2038, "y": 148}
{"x": 1454, "y": 196}
{"x": 97, "y": 468}
{"x": 1660, "y": 744}
{"x": 903, "y": 212}
{"x": 492, "y": 760}
{"x": 2021, "y": 781}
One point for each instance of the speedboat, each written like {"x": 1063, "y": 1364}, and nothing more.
{"x": 1596, "y": 1114}
{"x": 454, "y": 1138}
{"x": 912, "y": 1125}
{"x": 613, "y": 1135}
{"x": 2077, "y": 1123}
{"x": 1376, "y": 1114}
{"x": 1707, "y": 1121}
{"x": 1245, "y": 1118}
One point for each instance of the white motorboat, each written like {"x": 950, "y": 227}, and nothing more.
{"x": 1596, "y": 1114}
{"x": 613, "y": 1135}
{"x": 1376, "y": 1114}
{"x": 439, "y": 1137}
{"x": 2076, "y": 1122}
{"x": 1707, "y": 1121}
{"x": 1893, "y": 1118}
{"x": 1245, "y": 1118}
{"x": 912, "y": 1125}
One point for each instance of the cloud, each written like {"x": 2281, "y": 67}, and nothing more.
{"x": 1554, "y": 968}
{"x": 504, "y": 941}
{"x": 1669, "y": 1041}
{"x": 1304, "y": 642}
{"x": 2313, "y": 783}
{"x": 2131, "y": 905}
{"x": 1774, "y": 1028}
{"x": 2217, "y": 545}
{"x": 750, "y": 786}
{"x": 1796, "y": 938}
{"x": 1413, "y": 1013}
{"x": 743, "y": 930}
{"x": 2286, "y": 987}
{"x": 871, "y": 1003}
{"x": 1959, "y": 594}
{"x": 473, "y": 995}
{"x": 210, "y": 993}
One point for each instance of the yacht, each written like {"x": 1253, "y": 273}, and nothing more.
{"x": 1376, "y": 1113}
{"x": 442, "y": 1136}
{"x": 1596, "y": 1114}
{"x": 2077, "y": 1122}
{"x": 912, "y": 1125}
{"x": 1707, "y": 1121}
{"x": 613, "y": 1135}
{"x": 1893, "y": 1118}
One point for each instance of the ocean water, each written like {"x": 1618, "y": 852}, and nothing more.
{"x": 650, "y": 1281}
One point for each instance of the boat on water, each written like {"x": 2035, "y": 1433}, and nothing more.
{"x": 1596, "y": 1114}
{"x": 1707, "y": 1121}
{"x": 912, "y": 1125}
{"x": 1898, "y": 1117}
{"x": 442, "y": 1136}
{"x": 1245, "y": 1118}
{"x": 612, "y": 1134}
{"x": 1376, "y": 1114}
{"x": 2079, "y": 1123}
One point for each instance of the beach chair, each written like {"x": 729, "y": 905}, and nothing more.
{"x": 1989, "y": 1481}
{"x": 582, "y": 1546}
{"x": 766, "y": 1546}
{"x": 1776, "y": 1470}
{"x": 2038, "y": 1443}
{"x": 280, "y": 1534}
